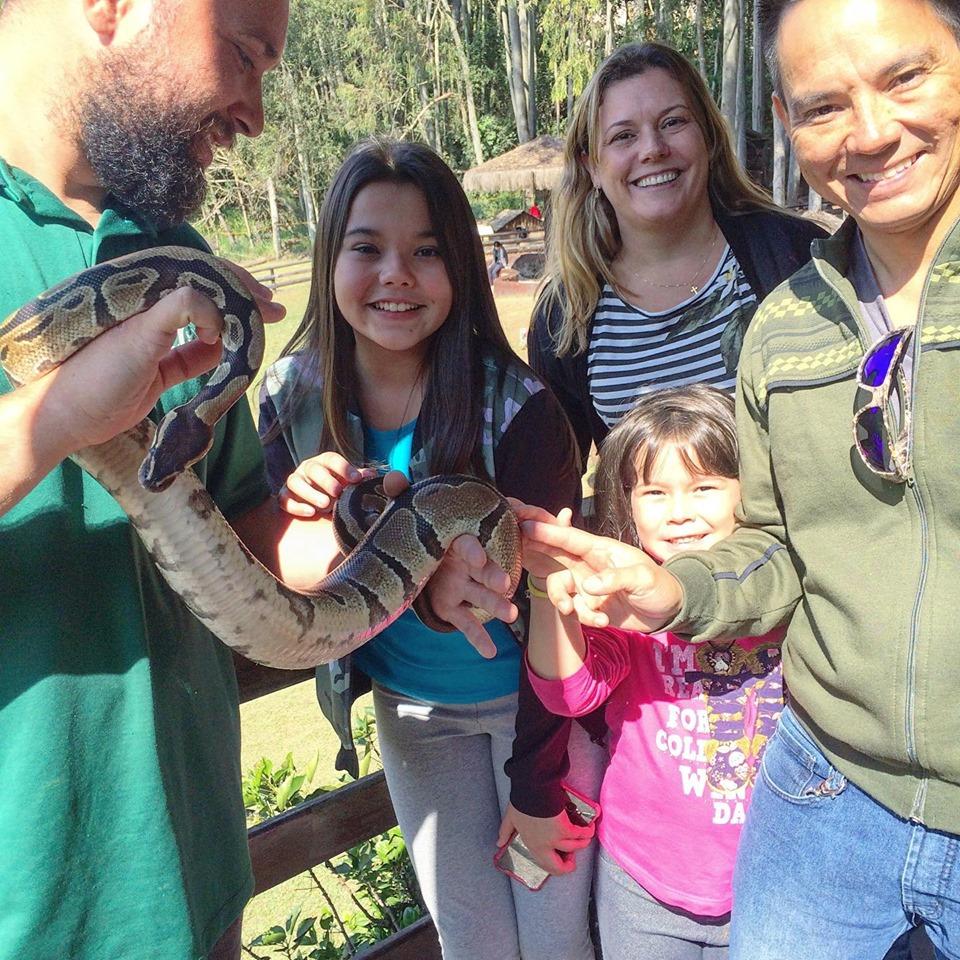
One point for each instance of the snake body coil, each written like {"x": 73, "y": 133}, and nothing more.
{"x": 191, "y": 543}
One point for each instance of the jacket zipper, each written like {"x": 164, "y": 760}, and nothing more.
{"x": 910, "y": 740}
{"x": 910, "y": 712}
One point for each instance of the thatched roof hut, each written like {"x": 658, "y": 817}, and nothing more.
{"x": 515, "y": 221}
{"x": 535, "y": 165}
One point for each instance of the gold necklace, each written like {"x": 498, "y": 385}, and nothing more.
{"x": 691, "y": 283}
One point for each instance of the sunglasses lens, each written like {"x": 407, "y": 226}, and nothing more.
{"x": 870, "y": 438}
{"x": 876, "y": 364}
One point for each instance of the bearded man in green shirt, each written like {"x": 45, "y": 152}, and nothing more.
{"x": 121, "y": 823}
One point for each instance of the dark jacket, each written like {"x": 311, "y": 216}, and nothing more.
{"x": 768, "y": 245}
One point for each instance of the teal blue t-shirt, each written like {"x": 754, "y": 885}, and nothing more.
{"x": 417, "y": 661}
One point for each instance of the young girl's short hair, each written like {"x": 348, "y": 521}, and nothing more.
{"x": 450, "y": 423}
{"x": 697, "y": 419}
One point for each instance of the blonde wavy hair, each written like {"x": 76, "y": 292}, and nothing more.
{"x": 584, "y": 235}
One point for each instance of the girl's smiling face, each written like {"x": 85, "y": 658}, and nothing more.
{"x": 679, "y": 510}
{"x": 390, "y": 282}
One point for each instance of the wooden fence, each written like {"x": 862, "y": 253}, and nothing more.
{"x": 319, "y": 829}
{"x": 277, "y": 274}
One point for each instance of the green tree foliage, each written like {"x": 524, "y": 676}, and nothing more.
{"x": 404, "y": 68}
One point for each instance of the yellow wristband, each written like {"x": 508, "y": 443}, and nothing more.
{"x": 536, "y": 587}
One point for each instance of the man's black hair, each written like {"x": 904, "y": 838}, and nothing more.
{"x": 772, "y": 11}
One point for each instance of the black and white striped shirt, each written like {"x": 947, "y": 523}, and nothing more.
{"x": 632, "y": 352}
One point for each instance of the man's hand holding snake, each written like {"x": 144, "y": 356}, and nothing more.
{"x": 111, "y": 384}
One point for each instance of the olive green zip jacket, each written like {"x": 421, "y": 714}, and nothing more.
{"x": 865, "y": 571}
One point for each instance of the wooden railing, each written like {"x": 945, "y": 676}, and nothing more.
{"x": 319, "y": 829}
{"x": 276, "y": 274}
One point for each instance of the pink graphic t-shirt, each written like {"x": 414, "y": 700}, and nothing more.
{"x": 688, "y": 724}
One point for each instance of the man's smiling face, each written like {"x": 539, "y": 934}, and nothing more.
{"x": 871, "y": 98}
{"x": 151, "y": 110}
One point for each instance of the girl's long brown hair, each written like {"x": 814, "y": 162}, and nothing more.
{"x": 451, "y": 417}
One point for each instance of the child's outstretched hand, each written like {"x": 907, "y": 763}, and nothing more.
{"x": 535, "y": 561}
{"x": 603, "y": 581}
{"x": 553, "y": 841}
{"x": 313, "y": 488}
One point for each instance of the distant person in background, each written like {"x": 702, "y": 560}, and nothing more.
{"x": 498, "y": 263}
{"x": 534, "y": 210}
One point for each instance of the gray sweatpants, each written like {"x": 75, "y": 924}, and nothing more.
{"x": 444, "y": 767}
{"x": 635, "y": 926}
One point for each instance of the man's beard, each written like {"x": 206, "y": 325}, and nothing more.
{"x": 142, "y": 151}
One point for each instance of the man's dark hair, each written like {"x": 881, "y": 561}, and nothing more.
{"x": 772, "y": 11}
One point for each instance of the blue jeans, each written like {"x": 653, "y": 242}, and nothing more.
{"x": 823, "y": 871}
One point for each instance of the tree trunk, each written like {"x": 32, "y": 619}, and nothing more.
{"x": 243, "y": 206}
{"x": 427, "y": 126}
{"x": 758, "y": 103}
{"x": 274, "y": 215}
{"x": 473, "y": 127}
{"x": 608, "y": 29}
{"x": 741, "y": 124}
{"x": 701, "y": 48}
{"x": 514, "y": 50}
{"x": 793, "y": 180}
{"x": 306, "y": 194}
{"x": 527, "y": 15}
{"x": 781, "y": 149}
{"x": 665, "y": 21}
{"x": 731, "y": 64}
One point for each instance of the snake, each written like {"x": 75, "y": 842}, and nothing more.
{"x": 193, "y": 546}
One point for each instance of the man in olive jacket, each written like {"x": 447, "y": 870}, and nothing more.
{"x": 849, "y": 431}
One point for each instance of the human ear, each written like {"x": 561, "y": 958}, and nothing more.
{"x": 781, "y": 111}
{"x": 101, "y": 15}
{"x": 105, "y": 16}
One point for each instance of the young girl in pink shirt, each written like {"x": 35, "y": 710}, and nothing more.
{"x": 687, "y": 722}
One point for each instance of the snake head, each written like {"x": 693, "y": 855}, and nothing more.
{"x": 181, "y": 440}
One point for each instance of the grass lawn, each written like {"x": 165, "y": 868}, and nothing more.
{"x": 290, "y": 721}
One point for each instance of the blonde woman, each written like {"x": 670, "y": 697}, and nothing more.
{"x": 661, "y": 247}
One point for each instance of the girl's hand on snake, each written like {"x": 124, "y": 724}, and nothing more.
{"x": 312, "y": 489}
{"x": 467, "y": 578}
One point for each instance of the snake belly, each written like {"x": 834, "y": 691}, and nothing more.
{"x": 193, "y": 546}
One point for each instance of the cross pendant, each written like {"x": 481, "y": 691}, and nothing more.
{"x": 694, "y": 288}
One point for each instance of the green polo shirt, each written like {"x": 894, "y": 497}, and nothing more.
{"x": 121, "y": 822}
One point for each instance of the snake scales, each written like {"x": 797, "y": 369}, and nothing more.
{"x": 191, "y": 543}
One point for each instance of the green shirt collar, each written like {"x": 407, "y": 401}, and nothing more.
{"x": 31, "y": 194}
